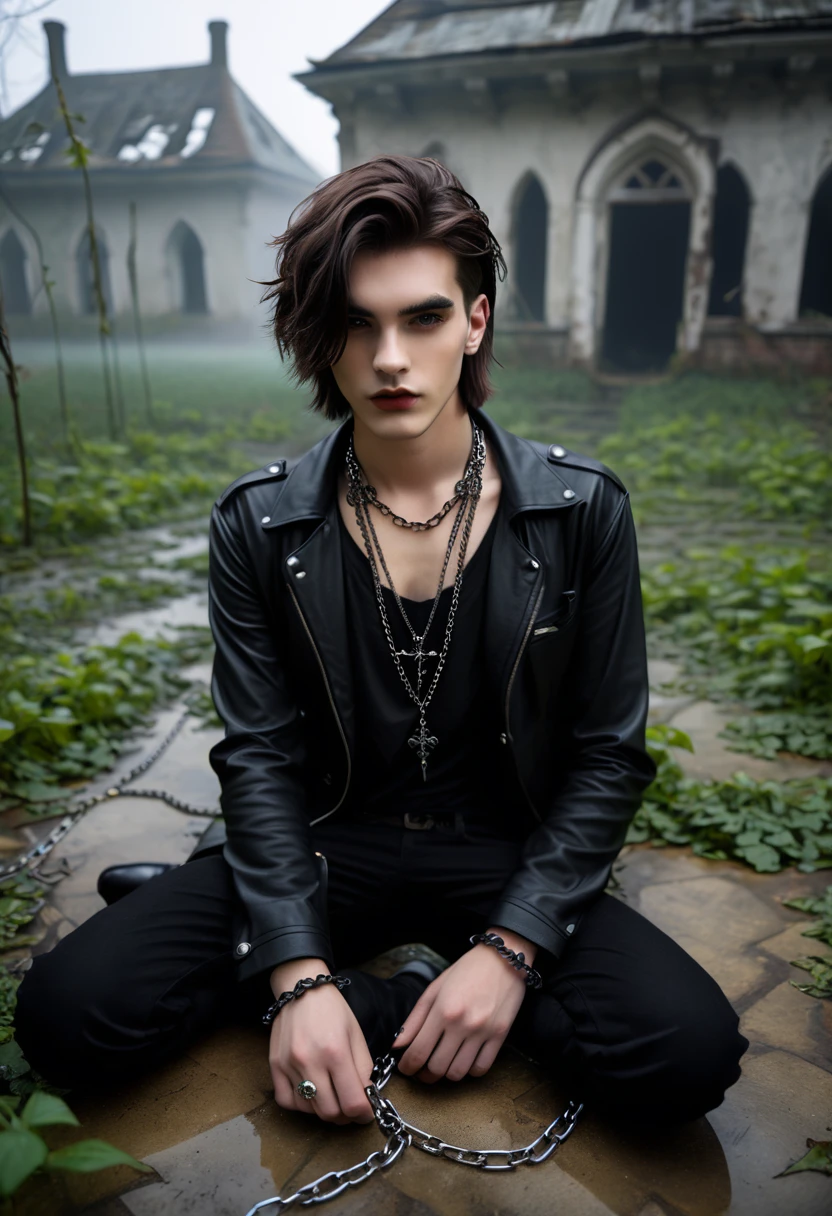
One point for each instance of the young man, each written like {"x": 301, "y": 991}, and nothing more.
{"x": 430, "y": 662}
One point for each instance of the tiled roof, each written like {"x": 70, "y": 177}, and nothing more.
{"x": 177, "y": 119}
{"x": 420, "y": 29}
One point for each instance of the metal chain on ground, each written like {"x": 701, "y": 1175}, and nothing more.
{"x": 120, "y": 789}
{"x": 401, "y": 1135}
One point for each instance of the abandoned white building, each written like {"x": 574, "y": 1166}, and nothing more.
{"x": 211, "y": 179}
{"x": 658, "y": 172}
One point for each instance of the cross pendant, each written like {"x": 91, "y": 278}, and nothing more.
{"x": 419, "y": 655}
{"x": 425, "y": 743}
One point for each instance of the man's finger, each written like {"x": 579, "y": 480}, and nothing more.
{"x": 423, "y": 1044}
{"x": 349, "y": 1091}
{"x": 415, "y": 1020}
{"x": 441, "y": 1057}
{"x": 464, "y": 1058}
{"x": 486, "y": 1056}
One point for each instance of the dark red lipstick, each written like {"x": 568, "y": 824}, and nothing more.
{"x": 395, "y": 399}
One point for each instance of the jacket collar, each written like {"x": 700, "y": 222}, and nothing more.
{"x": 530, "y": 482}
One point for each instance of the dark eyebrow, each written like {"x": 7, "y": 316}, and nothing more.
{"x": 435, "y": 301}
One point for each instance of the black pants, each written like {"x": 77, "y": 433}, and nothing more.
{"x": 626, "y": 1019}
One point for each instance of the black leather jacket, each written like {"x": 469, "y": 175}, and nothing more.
{"x": 566, "y": 659}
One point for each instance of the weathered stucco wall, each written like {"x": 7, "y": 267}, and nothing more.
{"x": 232, "y": 221}
{"x": 779, "y": 136}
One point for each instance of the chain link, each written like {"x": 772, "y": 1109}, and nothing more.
{"x": 401, "y": 1135}
{"x": 39, "y": 852}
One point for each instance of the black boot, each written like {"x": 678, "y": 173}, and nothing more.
{"x": 117, "y": 881}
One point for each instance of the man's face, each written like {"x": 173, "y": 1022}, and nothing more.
{"x": 407, "y": 329}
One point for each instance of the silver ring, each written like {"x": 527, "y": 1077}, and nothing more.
{"x": 307, "y": 1089}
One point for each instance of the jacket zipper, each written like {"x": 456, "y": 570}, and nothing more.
{"x": 529, "y": 628}
{"x": 312, "y": 822}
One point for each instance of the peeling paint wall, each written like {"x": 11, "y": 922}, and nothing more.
{"x": 779, "y": 138}
{"x": 233, "y": 223}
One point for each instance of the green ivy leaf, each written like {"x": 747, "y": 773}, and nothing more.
{"x": 89, "y": 1155}
{"x": 819, "y": 1157}
{"x": 21, "y": 1153}
{"x": 45, "y": 1110}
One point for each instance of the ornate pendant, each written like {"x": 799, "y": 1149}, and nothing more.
{"x": 419, "y": 654}
{"x": 424, "y": 743}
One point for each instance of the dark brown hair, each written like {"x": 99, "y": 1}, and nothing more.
{"x": 389, "y": 202}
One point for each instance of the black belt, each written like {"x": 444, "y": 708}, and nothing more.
{"x": 416, "y": 821}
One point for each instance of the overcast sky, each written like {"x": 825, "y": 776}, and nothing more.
{"x": 268, "y": 40}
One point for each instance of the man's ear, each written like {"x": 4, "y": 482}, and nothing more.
{"x": 477, "y": 321}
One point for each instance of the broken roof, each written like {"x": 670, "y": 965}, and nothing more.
{"x": 173, "y": 119}
{"x": 420, "y": 29}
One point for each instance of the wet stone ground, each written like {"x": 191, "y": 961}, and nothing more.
{"x": 218, "y": 1144}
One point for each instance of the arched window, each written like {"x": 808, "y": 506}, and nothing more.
{"x": 816, "y": 293}
{"x": 731, "y": 211}
{"x": 86, "y": 279}
{"x": 188, "y": 265}
{"x": 13, "y": 278}
{"x": 649, "y": 230}
{"x": 531, "y": 224}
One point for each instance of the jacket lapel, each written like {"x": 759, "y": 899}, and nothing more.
{"x": 314, "y": 569}
{"x": 516, "y": 575}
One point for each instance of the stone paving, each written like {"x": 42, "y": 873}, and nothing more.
{"x": 217, "y": 1143}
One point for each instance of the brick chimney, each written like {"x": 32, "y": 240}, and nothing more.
{"x": 55, "y": 31}
{"x": 219, "y": 45}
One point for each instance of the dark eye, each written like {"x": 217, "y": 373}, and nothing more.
{"x": 352, "y": 320}
{"x": 433, "y": 316}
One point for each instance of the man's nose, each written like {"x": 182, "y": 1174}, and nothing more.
{"x": 390, "y": 357}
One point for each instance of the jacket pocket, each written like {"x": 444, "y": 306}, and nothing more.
{"x": 552, "y": 622}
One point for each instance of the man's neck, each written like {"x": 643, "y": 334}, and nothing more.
{"x": 414, "y": 465}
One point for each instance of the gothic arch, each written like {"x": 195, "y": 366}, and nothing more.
{"x": 732, "y": 213}
{"x": 529, "y": 239}
{"x": 816, "y": 289}
{"x": 676, "y": 146}
{"x": 88, "y": 304}
{"x": 14, "y": 278}
{"x": 186, "y": 264}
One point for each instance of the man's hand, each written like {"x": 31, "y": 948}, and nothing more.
{"x": 318, "y": 1039}
{"x": 461, "y": 1019}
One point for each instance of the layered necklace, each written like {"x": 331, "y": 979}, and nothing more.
{"x": 467, "y": 491}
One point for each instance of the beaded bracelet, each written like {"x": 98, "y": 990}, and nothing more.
{"x": 300, "y": 987}
{"x": 518, "y": 961}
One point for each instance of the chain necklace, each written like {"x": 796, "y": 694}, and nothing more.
{"x": 422, "y": 741}
{"x": 367, "y": 493}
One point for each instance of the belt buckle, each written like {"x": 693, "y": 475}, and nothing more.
{"x": 419, "y": 823}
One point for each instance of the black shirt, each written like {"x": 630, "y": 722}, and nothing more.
{"x": 461, "y": 770}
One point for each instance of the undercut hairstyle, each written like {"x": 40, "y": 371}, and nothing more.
{"x": 388, "y": 203}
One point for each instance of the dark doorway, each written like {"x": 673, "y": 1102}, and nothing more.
{"x": 530, "y": 228}
{"x": 645, "y": 284}
{"x": 731, "y": 211}
{"x": 816, "y": 294}
{"x": 191, "y": 258}
{"x": 15, "y": 287}
{"x": 86, "y": 280}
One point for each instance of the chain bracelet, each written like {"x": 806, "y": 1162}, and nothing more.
{"x": 401, "y": 1135}
{"x": 340, "y": 982}
{"x": 39, "y": 852}
{"x": 518, "y": 961}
